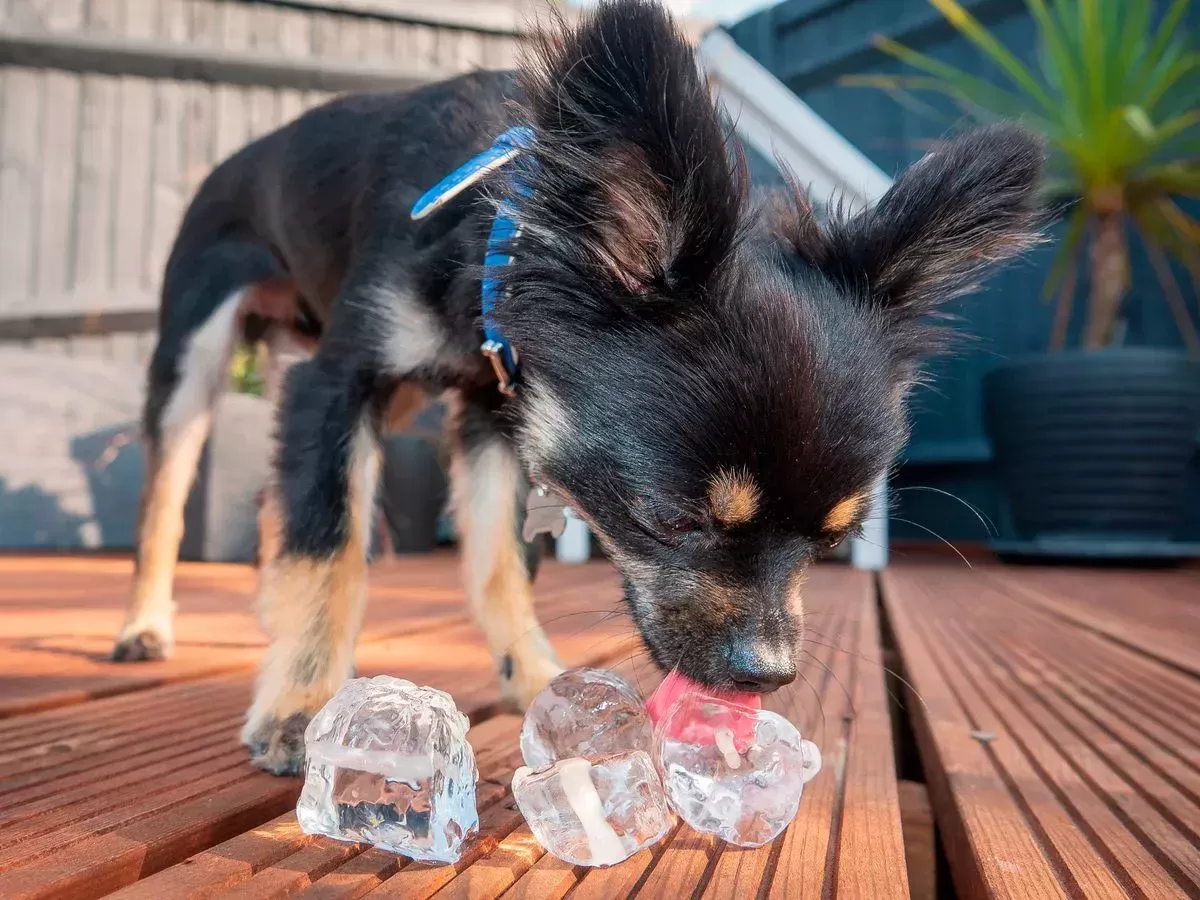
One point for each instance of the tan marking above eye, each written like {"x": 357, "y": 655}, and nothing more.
{"x": 733, "y": 496}
{"x": 844, "y": 512}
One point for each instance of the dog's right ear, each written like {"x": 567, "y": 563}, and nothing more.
{"x": 635, "y": 186}
{"x": 970, "y": 203}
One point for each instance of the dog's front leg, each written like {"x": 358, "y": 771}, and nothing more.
{"x": 313, "y": 593}
{"x": 486, "y": 479}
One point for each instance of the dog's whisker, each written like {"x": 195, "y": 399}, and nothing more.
{"x": 885, "y": 669}
{"x": 790, "y": 702}
{"x": 832, "y": 675}
{"x": 930, "y": 531}
{"x": 639, "y": 654}
{"x": 816, "y": 699}
{"x": 870, "y": 543}
{"x": 986, "y": 522}
{"x": 604, "y": 617}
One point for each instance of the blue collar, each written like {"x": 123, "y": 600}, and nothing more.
{"x": 505, "y": 228}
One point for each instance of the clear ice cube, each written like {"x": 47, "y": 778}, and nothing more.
{"x": 594, "y": 812}
{"x": 733, "y": 771}
{"x": 584, "y": 713}
{"x": 388, "y": 762}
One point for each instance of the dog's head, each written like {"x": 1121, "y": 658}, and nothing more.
{"x": 717, "y": 387}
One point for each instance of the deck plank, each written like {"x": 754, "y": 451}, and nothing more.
{"x": 278, "y": 859}
{"x": 991, "y": 849}
{"x": 870, "y": 848}
{"x": 548, "y": 879}
{"x": 1057, "y": 824}
{"x": 357, "y": 878}
{"x": 1065, "y": 803}
{"x": 42, "y": 597}
{"x": 1147, "y": 611}
{"x": 620, "y": 880}
{"x": 1064, "y": 716}
{"x": 808, "y": 848}
{"x": 496, "y": 872}
{"x": 101, "y": 862}
{"x": 679, "y": 870}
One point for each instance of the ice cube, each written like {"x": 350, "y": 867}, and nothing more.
{"x": 732, "y": 770}
{"x": 594, "y": 812}
{"x": 584, "y": 712}
{"x": 388, "y": 762}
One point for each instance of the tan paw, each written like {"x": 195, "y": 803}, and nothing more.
{"x": 143, "y": 646}
{"x": 274, "y": 729}
{"x": 277, "y": 746}
{"x": 523, "y": 679}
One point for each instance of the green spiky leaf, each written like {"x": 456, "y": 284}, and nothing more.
{"x": 1114, "y": 92}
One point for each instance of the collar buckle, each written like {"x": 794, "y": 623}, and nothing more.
{"x": 498, "y": 357}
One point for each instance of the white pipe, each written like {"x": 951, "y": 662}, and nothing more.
{"x": 574, "y": 545}
{"x": 870, "y": 552}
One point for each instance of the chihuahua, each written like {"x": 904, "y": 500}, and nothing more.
{"x": 712, "y": 383}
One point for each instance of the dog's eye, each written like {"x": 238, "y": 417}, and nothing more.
{"x": 679, "y": 525}
{"x": 673, "y": 525}
{"x": 665, "y": 522}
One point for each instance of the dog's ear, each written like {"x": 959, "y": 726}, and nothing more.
{"x": 635, "y": 183}
{"x": 971, "y": 202}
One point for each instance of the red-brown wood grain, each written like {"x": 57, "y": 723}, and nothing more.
{"x": 1058, "y": 727}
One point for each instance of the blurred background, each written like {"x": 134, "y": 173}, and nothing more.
{"x": 1065, "y": 428}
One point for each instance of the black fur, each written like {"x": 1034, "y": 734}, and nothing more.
{"x": 205, "y": 267}
{"x": 679, "y": 330}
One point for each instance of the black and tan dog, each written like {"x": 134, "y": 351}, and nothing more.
{"x": 714, "y": 385}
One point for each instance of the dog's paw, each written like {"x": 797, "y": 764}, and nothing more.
{"x": 277, "y": 746}
{"x": 521, "y": 681}
{"x": 141, "y": 647}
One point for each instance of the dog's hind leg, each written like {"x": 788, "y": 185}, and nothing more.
{"x": 207, "y": 283}
{"x": 181, "y": 390}
{"x": 487, "y": 487}
{"x": 313, "y": 593}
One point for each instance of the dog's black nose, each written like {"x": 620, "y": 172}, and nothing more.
{"x": 758, "y": 669}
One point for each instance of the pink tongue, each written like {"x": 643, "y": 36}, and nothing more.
{"x": 687, "y": 724}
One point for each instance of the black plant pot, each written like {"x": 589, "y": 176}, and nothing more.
{"x": 1094, "y": 451}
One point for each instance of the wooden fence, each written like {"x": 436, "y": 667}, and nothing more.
{"x": 113, "y": 111}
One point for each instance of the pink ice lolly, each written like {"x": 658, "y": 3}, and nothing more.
{"x": 688, "y": 725}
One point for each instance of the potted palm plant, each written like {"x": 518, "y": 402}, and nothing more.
{"x": 1094, "y": 440}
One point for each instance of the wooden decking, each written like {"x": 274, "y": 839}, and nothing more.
{"x": 1056, "y": 731}
{"x": 1059, "y": 726}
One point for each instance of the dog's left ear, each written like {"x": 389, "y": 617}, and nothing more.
{"x": 968, "y": 204}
